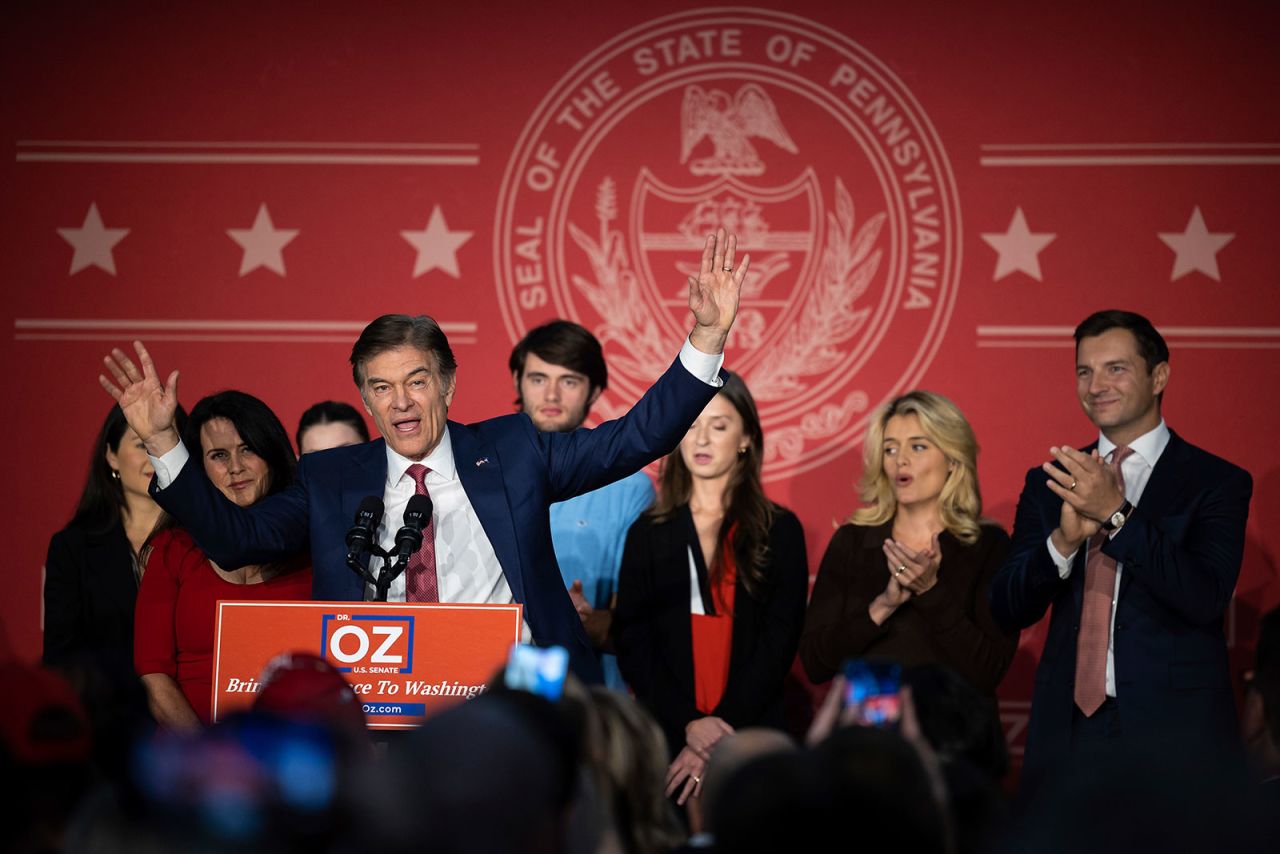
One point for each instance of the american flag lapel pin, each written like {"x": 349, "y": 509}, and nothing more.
{"x": 483, "y": 461}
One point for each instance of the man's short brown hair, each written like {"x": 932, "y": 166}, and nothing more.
{"x": 395, "y": 330}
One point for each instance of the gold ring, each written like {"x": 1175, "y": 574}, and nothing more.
{"x": 696, "y": 779}
{"x": 901, "y": 569}
{"x": 1072, "y": 487}
{"x": 727, "y": 269}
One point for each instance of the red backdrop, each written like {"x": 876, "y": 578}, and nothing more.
{"x": 933, "y": 195}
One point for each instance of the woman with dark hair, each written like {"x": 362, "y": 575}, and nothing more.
{"x": 907, "y": 576}
{"x": 247, "y": 455}
{"x": 711, "y": 591}
{"x": 95, "y": 562}
{"x": 330, "y": 424}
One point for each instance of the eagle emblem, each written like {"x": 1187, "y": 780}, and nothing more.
{"x": 729, "y": 124}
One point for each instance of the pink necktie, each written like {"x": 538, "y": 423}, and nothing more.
{"x": 420, "y": 576}
{"x": 1095, "y": 616}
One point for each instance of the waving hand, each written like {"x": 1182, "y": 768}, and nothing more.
{"x": 714, "y": 294}
{"x": 148, "y": 406}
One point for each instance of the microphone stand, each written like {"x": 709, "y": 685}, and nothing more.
{"x": 381, "y": 583}
{"x": 388, "y": 574}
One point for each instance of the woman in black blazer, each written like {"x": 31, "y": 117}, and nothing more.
{"x": 93, "y": 568}
{"x": 711, "y": 591}
{"x": 907, "y": 577}
{"x": 91, "y": 579}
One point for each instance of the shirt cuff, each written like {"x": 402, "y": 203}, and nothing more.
{"x": 1063, "y": 563}
{"x": 704, "y": 366}
{"x": 168, "y": 467}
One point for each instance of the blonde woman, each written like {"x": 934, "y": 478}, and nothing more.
{"x": 906, "y": 577}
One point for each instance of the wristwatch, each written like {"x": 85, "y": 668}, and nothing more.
{"x": 1117, "y": 519}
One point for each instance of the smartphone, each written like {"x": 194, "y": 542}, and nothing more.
{"x": 872, "y": 688}
{"x": 537, "y": 670}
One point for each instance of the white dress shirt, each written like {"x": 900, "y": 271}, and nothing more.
{"x": 1136, "y": 468}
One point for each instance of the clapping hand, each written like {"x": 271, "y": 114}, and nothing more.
{"x": 1089, "y": 490}
{"x": 916, "y": 571}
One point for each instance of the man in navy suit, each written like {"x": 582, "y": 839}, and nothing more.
{"x": 1133, "y": 544}
{"x": 491, "y": 483}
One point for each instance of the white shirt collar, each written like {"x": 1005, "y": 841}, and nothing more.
{"x": 440, "y": 461}
{"x": 1149, "y": 446}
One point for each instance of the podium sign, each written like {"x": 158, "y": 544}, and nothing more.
{"x": 404, "y": 660}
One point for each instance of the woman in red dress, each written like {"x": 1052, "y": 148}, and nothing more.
{"x": 246, "y": 453}
{"x": 711, "y": 592}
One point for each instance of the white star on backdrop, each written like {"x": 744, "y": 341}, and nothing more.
{"x": 437, "y": 246}
{"x": 1018, "y": 247}
{"x": 1196, "y": 248}
{"x": 263, "y": 244}
{"x": 93, "y": 242}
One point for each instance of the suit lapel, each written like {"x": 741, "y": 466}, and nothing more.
{"x": 1163, "y": 491}
{"x": 699, "y": 560}
{"x": 364, "y": 473}
{"x": 480, "y": 471}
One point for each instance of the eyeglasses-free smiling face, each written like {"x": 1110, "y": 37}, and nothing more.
{"x": 1115, "y": 388}
{"x": 408, "y": 399}
{"x": 234, "y": 468}
{"x": 914, "y": 465}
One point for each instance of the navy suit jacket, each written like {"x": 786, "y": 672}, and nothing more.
{"x": 511, "y": 472}
{"x": 1181, "y": 551}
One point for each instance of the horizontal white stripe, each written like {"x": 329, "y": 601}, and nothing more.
{"x": 1170, "y": 331}
{"x": 233, "y": 325}
{"x": 171, "y": 336}
{"x": 1132, "y": 146}
{"x": 277, "y": 159}
{"x": 179, "y": 145}
{"x": 1028, "y": 343}
{"x": 1032, "y": 344}
{"x": 1134, "y": 160}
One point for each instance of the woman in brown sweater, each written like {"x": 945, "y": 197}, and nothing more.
{"x": 906, "y": 578}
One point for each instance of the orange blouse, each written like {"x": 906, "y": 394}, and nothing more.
{"x": 713, "y": 638}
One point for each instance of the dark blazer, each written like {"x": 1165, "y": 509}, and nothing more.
{"x": 951, "y": 624}
{"x": 654, "y": 638}
{"x": 511, "y": 472}
{"x": 1181, "y": 551}
{"x": 89, "y": 593}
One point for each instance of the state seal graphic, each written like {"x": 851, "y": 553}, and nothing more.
{"x": 781, "y": 130}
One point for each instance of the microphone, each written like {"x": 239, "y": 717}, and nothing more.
{"x": 360, "y": 537}
{"x": 417, "y": 514}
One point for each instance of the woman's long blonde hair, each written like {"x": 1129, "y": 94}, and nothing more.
{"x": 960, "y": 503}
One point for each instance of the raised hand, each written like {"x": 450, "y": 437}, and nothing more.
{"x": 714, "y": 294}
{"x": 148, "y": 406}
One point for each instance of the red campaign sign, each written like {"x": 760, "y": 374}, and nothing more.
{"x": 933, "y": 196}
{"x": 403, "y": 660}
